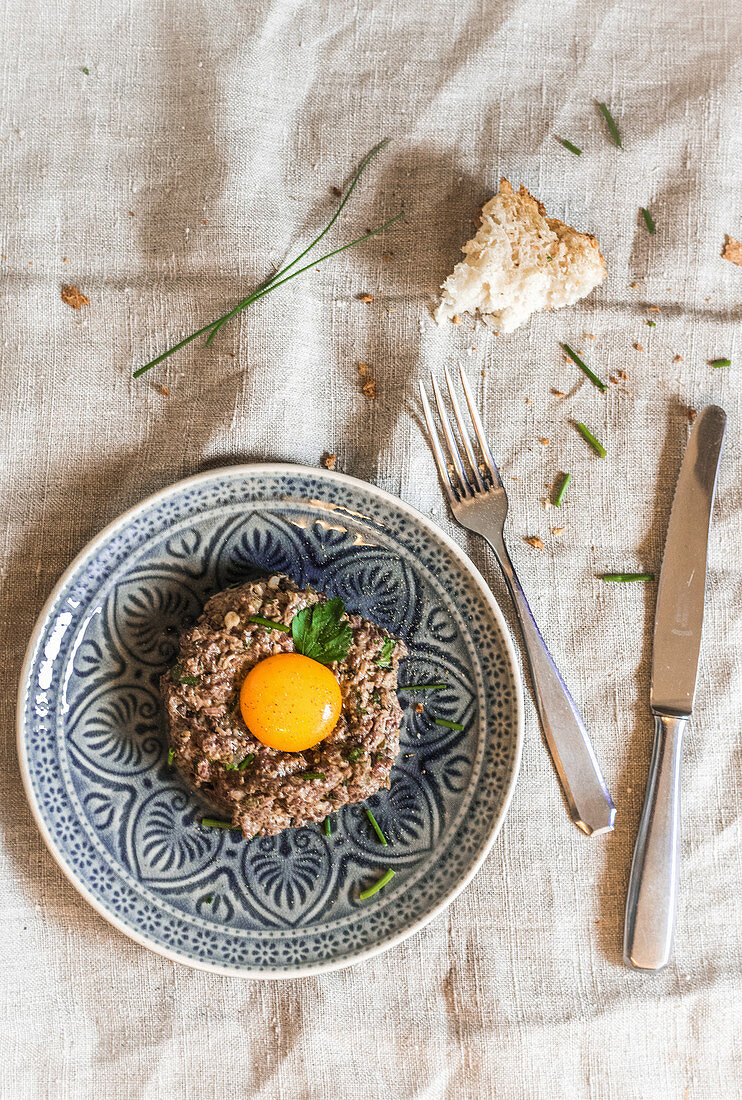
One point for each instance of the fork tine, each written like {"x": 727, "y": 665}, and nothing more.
{"x": 440, "y": 459}
{"x": 479, "y": 429}
{"x": 464, "y": 433}
{"x": 466, "y": 489}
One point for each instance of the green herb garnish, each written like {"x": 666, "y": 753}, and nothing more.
{"x": 246, "y": 762}
{"x": 170, "y": 756}
{"x": 269, "y": 624}
{"x": 355, "y": 754}
{"x": 385, "y": 878}
{"x": 384, "y": 659}
{"x": 328, "y": 827}
{"x": 311, "y": 775}
{"x": 721, "y": 362}
{"x": 584, "y": 367}
{"x": 611, "y": 124}
{"x": 627, "y": 577}
{"x": 566, "y": 478}
{"x": 280, "y": 277}
{"x": 207, "y": 900}
{"x": 594, "y": 443}
{"x": 422, "y": 687}
{"x": 649, "y": 220}
{"x": 320, "y": 632}
{"x": 214, "y": 823}
{"x": 376, "y": 827}
{"x": 86, "y": 70}
{"x": 181, "y": 677}
{"x": 651, "y": 323}
{"x": 572, "y": 148}
{"x": 447, "y": 724}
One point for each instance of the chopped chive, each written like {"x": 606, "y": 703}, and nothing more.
{"x": 566, "y": 478}
{"x": 447, "y": 724}
{"x": 379, "y": 885}
{"x": 86, "y": 70}
{"x": 648, "y": 219}
{"x": 230, "y": 767}
{"x": 311, "y": 775}
{"x": 269, "y": 624}
{"x": 611, "y": 124}
{"x": 170, "y": 756}
{"x": 422, "y": 687}
{"x": 651, "y": 323}
{"x": 246, "y": 762}
{"x": 181, "y": 677}
{"x": 594, "y": 443}
{"x": 568, "y": 145}
{"x": 627, "y": 577}
{"x": 328, "y": 827}
{"x": 376, "y": 826}
{"x": 214, "y": 823}
{"x": 721, "y": 362}
{"x": 354, "y": 755}
{"x": 385, "y": 657}
{"x": 584, "y": 367}
{"x": 207, "y": 900}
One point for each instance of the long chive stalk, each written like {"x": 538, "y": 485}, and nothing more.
{"x": 586, "y": 434}
{"x": 376, "y": 827}
{"x": 610, "y": 122}
{"x": 368, "y": 893}
{"x": 620, "y": 577}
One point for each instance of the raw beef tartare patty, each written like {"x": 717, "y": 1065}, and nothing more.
{"x": 264, "y": 790}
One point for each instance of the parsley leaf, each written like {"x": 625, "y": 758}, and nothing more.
{"x": 318, "y": 632}
{"x": 385, "y": 657}
{"x": 181, "y": 677}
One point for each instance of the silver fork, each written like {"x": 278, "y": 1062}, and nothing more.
{"x": 479, "y": 503}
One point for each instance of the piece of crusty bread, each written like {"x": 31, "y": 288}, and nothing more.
{"x": 520, "y": 261}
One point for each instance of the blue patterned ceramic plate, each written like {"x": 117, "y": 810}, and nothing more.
{"x": 94, "y": 758}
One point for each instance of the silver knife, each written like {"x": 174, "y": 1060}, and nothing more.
{"x": 678, "y": 620}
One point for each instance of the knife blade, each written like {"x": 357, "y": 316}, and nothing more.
{"x": 678, "y": 623}
{"x": 679, "y": 615}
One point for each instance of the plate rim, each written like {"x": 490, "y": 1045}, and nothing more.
{"x": 122, "y": 520}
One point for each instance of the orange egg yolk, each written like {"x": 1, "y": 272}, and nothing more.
{"x": 290, "y": 702}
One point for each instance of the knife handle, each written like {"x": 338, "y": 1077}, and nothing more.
{"x": 653, "y": 885}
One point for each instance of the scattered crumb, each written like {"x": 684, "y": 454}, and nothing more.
{"x": 485, "y": 374}
{"x": 369, "y": 386}
{"x": 733, "y": 251}
{"x": 516, "y": 479}
{"x": 455, "y": 320}
{"x": 71, "y": 296}
{"x": 419, "y": 708}
{"x": 336, "y": 192}
{"x": 678, "y": 359}
{"x": 131, "y": 213}
{"x": 654, "y": 309}
{"x": 328, "y": 460}
{"x": 535, "y": 542}
{"x": 557, "y": 530}
{"x": 64, "y": 260}
{"x": 163, "y": 390}
{"x": 638, "y": 347}
{"x": 612, "y": 378}
{"x": 634, "y": 286}
{"x": 545, "y": 441}
{"x": 692, "y": 414}
{"x": 558, "y": 393}
{"x": 386, "y": 256}
{"x": 528, "y": 401}
{"x": 623, "y": 374}
{"x": 589, "y": 335}
{"x": 204, "y": 222}
{"x": 365, "y": 298}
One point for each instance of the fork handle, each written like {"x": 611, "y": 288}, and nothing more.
{"x": 590, "y": 804}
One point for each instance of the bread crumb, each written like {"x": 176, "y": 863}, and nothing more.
{"x": 386, "y": 256}
{"x": 678, "y": 359}
{"x": 634, "y": 286}
{"x": 623, "y": 374}
{"x": 558, "y": 393}
{"x": 654, "y": 309}
{"x": 455, "y": 320}
{"x": 365, "y": 298}
{"x": 369, "y": 386}
{"x": 528, "y": 401}
{"x": 557, "y": 530}
{"x": 638, "y": 347}
{"x": 612, "y": 378}
{"x": 535, "y": 542}
{"x": 336, "y": 192}
{"x": 163, "y": 390}
{"x": 328, "y": 460}
{"x": 733, "y": 251}
{"x": 64, "y": 260}
{"x": 71, "y": 296}
{"x": 589, "y": 335}
{"x": 692, "y": 414}
{"x": 545, "y": 441}
{"x": 204, "y": 222}
{"x": 419, "y": 708}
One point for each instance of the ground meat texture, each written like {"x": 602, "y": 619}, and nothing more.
{"x": 262, "y": 790}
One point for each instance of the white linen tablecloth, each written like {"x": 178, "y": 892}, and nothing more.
{"x": 198, "y": 148}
